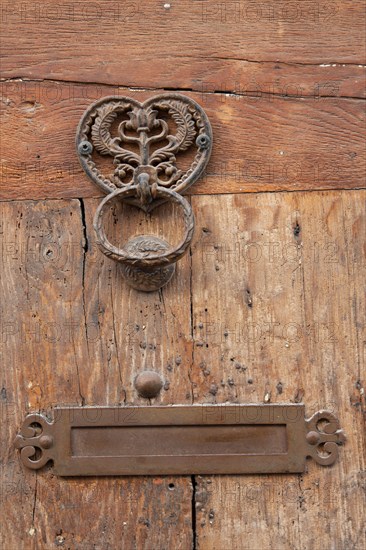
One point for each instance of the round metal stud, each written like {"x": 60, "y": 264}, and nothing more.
{"x": 313, "y": 438}
{"x": 148, "y": 384}
{"x": 46, "y": 441}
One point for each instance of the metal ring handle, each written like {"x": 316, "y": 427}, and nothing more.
{"x": 146, "y": 261}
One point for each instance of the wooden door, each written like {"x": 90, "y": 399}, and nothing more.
{"x": 268, "y": 307}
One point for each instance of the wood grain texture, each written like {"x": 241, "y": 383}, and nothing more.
{"x": 72, "y": 332}
{"x": 279, "y": 316}
{"x": 260, "y": 143}
{"x": 139, "y": 43}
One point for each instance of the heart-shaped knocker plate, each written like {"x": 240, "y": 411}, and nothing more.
{"x": 145, "y": 154}
{"x": 144, "y": 138}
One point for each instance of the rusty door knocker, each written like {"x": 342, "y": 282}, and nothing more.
{"x": 143, "y": 140}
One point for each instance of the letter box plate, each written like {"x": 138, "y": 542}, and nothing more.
{"x": 197, "y": 439}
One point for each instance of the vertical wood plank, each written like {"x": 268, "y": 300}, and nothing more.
{"x": 279, "y": 309}
{"x": 74, "y": 333}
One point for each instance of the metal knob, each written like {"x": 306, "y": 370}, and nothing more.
{"x": 148, "y": 384}
{"x": 144, "y": 140}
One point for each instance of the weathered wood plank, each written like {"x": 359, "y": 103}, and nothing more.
{"x": 260, "y": 144}
{"x": 144, "y": 42}
{"x": 279, "y": 316}
{"x": 72, "y": 332}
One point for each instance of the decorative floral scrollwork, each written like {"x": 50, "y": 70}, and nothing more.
{"x": 144, "y": 137}
{"x": 35, "y": 441}
{"x": 323, "y": 437}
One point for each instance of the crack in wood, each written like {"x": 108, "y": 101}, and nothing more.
{"x": 250, "y": 94}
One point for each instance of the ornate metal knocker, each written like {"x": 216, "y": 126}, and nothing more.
{"x": 143, "y": 140}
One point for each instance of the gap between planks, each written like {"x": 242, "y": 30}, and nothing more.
{"x": 320, "y": 190}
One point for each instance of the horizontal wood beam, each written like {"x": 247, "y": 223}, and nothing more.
{"x": 261, "y": 143}
{"x": 147, "y": 43}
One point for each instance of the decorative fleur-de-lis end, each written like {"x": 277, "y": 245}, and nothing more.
{"x": 35, "y": 441}
{"x": 323, "y": 437}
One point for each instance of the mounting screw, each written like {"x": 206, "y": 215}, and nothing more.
{"x": 203, "y": 141}
{"x": 148, "y": 384}
{"x": 85, "y": 148}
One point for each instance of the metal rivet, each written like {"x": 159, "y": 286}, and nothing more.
{"x": 203, "y": 141}
{"x": 85, "y": 148}
{"x": 148, "y": 384}
{"x": 313, "y": 438}
{"x": 46, "y": 441}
